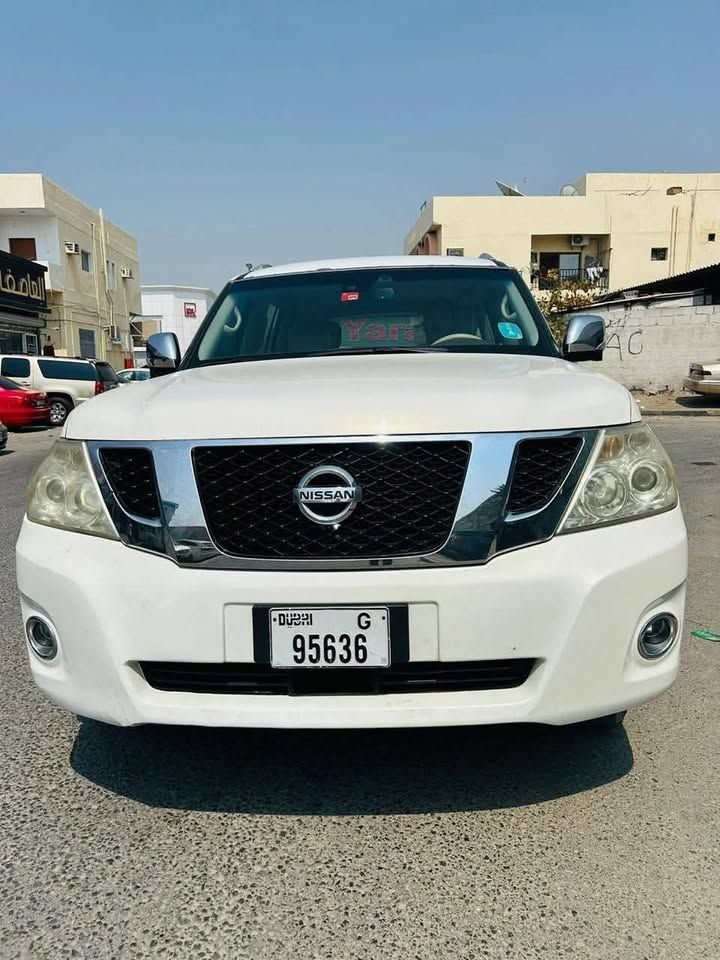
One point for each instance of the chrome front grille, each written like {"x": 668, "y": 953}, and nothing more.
{"x": 426, "y": 500}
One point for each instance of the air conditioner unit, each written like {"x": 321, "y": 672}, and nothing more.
{"x": 579, "y": 240}
{"x": 126, "y": 273}
{"x": 71, "y": 247}
{"x": 113, "y": 333}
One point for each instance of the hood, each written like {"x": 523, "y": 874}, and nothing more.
{"x": 357, "y": 396}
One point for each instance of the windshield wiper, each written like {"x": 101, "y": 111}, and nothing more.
{"x": 349, "y": 351}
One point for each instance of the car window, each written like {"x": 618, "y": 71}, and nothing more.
{"x": 6, "y": 384}
{"x": 106, "y": 373}
{"x": 124, "y": 375}
{"x": 476, "y": 310}
{"x": 15, "y": 367}
{"x": 67, "y": 370}
{"x": 141, "y": 375}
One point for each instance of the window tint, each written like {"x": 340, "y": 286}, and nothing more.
{"x": 6, "y": 384}
{"x": 66, "y": 370}
{"x": 106, "y": 373}
{"x": 478, "y": 309}
{"x": 15, "y": 367}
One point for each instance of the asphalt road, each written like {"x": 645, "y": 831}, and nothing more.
{"x": 500, "y": 842}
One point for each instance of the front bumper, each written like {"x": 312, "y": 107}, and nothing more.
{"x": 702, "y": 385}
{"x": 575, "y": 604}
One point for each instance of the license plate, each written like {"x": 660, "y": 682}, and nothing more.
{"x": 329, "y": 637}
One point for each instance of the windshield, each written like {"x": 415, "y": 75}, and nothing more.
{"x": 6, "y": 384}
{"x": 476, "y": 310}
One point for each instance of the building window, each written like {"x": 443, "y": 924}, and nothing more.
{"x": 711, "y": 238}
{"x": 658, "y": 253}
{"x": 111, "y": 273}
{"x": 87, "y": 344}
{"x": 86, "y": 261}
{"x": 23, "y": 247}
{"x": 455, "y": 251}
{"x": 30, "y": 344}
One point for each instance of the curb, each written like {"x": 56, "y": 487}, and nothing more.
{"x": 677, "y": 413}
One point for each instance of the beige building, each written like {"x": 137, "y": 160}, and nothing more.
{"x": 93, "y": 273}
{"x": 616, "y": 229}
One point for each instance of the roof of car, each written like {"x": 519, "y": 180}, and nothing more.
{"x": 367, "y": 263}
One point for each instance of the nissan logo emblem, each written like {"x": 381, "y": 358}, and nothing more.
{"x": 327, "y": 494}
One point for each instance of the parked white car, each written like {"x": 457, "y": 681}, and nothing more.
{"x": 375, "y": 494}
{"x": 67, "y": 382}
{"x": 703, "y": 378}
{"x": 133, "y": 374}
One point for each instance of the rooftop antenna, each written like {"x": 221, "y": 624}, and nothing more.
{"x": 507, "y": 191}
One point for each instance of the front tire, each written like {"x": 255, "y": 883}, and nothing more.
{"x": 59, "y": 411}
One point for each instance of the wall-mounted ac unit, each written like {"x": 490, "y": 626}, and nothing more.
{"x": 72, "y": 247}
{"x": 113, "y": 333}
{"x": 579, "y": 240}
{"x": 126, "y": 273}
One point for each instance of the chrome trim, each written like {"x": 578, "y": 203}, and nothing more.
{"x": 481, "y": 530}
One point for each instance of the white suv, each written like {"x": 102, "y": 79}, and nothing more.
{"x": 375, "y": 494}
{"x": 66, "y": 381}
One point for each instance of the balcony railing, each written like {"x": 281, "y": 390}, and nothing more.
{"x": 548, "y": 280}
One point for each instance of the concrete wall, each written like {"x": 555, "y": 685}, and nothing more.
{"x": 40, "y": 226}
{"x": 650, "y": 345}
{"x": 633, "y": 210}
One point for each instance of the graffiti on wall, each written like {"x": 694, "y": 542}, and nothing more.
{"x": 626, "y": 342}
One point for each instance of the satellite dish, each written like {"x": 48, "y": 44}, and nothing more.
{"x": 508, "y": 191}
{"x": 569, "y": 190}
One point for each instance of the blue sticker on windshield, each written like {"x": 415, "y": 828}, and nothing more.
{"x": 511, "y": 331}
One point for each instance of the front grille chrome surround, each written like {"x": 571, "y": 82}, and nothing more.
{"x": 482, "y": 523}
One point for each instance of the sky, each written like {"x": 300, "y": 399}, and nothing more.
{"x": 272, "y": 130}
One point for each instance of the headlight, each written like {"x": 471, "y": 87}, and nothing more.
{"x": 64, "y": 493}
{"x": 629, "y": 476}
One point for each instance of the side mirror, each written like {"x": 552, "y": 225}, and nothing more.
{"x": 584, "y": 338}
{"x": 163, "y": 353}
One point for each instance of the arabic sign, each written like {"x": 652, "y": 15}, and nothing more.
{"x": 22, "y": 284}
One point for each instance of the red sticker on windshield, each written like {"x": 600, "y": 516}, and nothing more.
{"x": 349, "y": 295}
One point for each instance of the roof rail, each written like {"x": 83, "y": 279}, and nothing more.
{"x": 489, "y": 256}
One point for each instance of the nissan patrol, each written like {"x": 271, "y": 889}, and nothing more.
{"x": 373, "y": 493}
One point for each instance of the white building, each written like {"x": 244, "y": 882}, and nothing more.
{"x": 92, "y": 274}
{"x": 171, "y": 308}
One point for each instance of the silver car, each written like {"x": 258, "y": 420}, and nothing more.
{"x": 703, "y": 378}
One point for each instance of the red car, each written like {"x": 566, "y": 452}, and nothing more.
{"x": 20, "y": 407}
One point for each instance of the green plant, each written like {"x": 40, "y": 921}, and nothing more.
{"x": 563, "y": 297}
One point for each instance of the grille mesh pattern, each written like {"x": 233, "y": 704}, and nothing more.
{"x": 414, "y": 677}
{"x": 541, "y": 466}
{"x": 131, "y": 474}
{"x": 410, "y": 493}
